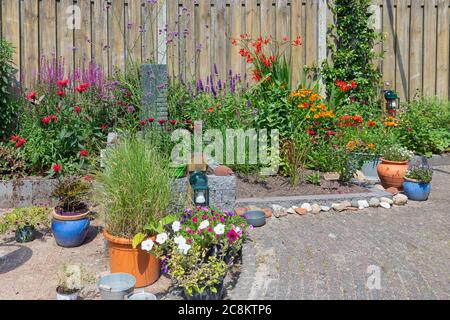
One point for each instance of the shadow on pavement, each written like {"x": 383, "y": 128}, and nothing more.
{"x": 13, "y": 259}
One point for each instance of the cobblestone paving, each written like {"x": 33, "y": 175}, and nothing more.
{"x": 327, "y": 256}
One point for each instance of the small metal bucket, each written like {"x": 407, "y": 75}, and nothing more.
{"x": 116, "y": 286}
{"x": 141, "y": 296}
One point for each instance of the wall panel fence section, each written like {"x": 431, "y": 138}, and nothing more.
{"x": 193, "y": 36}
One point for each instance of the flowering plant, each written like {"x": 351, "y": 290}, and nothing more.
{"x": 197, "y": 249}
{"x": 422, "y": 174}
{"x": 397, "y": 153}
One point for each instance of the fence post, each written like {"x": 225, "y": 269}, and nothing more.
{"x": 322, "y": 39}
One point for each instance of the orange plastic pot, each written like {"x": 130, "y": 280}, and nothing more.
{"x": 392, "y": 173}
{"x": 137, "y": 262}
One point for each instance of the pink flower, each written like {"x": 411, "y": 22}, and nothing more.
{"x": 232, "y": 235}
{"x": 194, "y": 219}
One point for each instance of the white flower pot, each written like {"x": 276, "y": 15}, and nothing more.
{"x": 61, "y": 296}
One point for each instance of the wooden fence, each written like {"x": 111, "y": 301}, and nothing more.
{"x": 197, "y": 32}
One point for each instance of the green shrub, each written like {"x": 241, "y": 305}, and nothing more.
{"x": 18, "y": 218}
{"x": 425, "y": 126}
{"x": 8, "y": 105}
{"x": 134, "y": 187}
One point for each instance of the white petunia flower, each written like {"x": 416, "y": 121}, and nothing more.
{"x": 219, "y": 229}
{"x": 237, "y": 229}
{"x": 184, "y": 248}
{"x": 176, "y": 226}
{"x": 179, "y": 240}
{"x": 204, "y": 225}
{"x": 162, "y": 238}
{"x": 147, "y": 245}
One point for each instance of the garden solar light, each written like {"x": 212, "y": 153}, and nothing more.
{"x": 199, "y": 183}
{"x": 392, "y": 102}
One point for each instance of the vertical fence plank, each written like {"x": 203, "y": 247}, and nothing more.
{"x": 220, "y": 38}
{"x": 377, "y": 21}
{"x": 296, "y": 30}
{"x": 83, "y": 35}
{"x": 172, "y": 40}
{"x": 65, "y": 35}
{"x": 47, "y": 28}
{"x": 30, "y": 41}
{"x": 236, "y": 31}
{"x": 251, "y": 9}
{"x": 11, "y": 28}
{"x": 117, "y": 33}
{"x": 100, "y": 43}
{"x": 311, "y": 31}
{"x": 150, "y": 36}
{"x": 189, "y": 38}
{"x": 416, "y": 50}
{"x": 133, "y": 38}
{"x": 204, "y": 27}
{"x": 402, "y": 52}
{"x": 283, "y": 25}
{"x": 442, "y": 63}
{"x": 429, "y": 46}
{"x": 389, "y": 25}
{"x": 266, "y": 18}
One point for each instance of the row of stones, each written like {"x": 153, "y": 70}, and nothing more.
{"x": 306, "y": 208}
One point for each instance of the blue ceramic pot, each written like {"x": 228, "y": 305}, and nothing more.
{"x": 70, "y": 231}
{"x": 416, "y": 191}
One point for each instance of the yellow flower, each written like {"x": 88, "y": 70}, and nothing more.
{"x": 371, "y": 146}
{"x": 316, "y": 116}
{"x": 308, "y": 116}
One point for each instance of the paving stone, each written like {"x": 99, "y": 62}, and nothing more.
{"x": 328, "y": 256}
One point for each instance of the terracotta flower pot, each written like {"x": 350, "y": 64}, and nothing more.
{"x": 137, "y": 262}
{"x": 392, "y": 173}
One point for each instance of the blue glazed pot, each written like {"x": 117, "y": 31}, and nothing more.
{"x": 415, "y": 190}
{"x": 70, "y": 231}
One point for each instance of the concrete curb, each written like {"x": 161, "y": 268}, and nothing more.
{"x": 435, "y": 160}
{"x": 326, "y": 199}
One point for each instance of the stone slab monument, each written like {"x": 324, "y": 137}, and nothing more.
{"x": 154, "y": 83}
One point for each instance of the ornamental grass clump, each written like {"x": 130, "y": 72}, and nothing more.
{"x": 397, "y": 153}
{"x": 134, "y": 187}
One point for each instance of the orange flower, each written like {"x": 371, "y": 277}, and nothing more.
{"x": 256, "y": 75}
{"x": 371, "y": 146}
{"x": 210, "y": 110}
{"x": 297, "y": 42}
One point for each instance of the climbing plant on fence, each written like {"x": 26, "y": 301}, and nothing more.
{"x": 351, "y": 43}
{"x": 7, "y": 104}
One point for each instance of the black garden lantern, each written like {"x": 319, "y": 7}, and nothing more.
{"x": 392, "y": 102}
{"x": 199, "y": 183}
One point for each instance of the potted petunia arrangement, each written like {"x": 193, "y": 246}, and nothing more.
{"x": 198, "y": 249}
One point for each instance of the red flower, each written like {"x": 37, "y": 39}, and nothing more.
{"x": 104, "y": 127}
{"x": 46, "y": 120}
{"x": 15, "y": 138}
{"x": 256, "y": 75}
{"x": 77, "y": 109}
{"x": 151, "y": 120}
{"x": 297, "y": 42}
{"x": 57, "y": 168}
{"x": 61, "y": 92}
{"x": 82, "y": 87}
{"x": 161, "y": 122}
{"x": 88, "y": 178}
{"x": 63, "y": 83}
{"x": 353, "y": 84}
{"x": 143, "y": 122}
{"x": 173, "y": 122}
{"x": 84, "y": 153}
{"x": 20, "y": 143}
{"x": 32, "y": 96}
{"x": 371, "y": 124}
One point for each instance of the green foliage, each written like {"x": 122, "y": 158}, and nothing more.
{"x": 11, "y": 162}
{"x": 8, "y": 104}
{"x": 425, "y": 126}
{"x": 295, "y": 153}
{"x": 314, "y": 178}
{"x": 351, "y": 43}
{"x": 18, "y": 218}
{"x": 421, "y": 174}
{"x": 134, "y": 186}
{"x": 71, "y": 192}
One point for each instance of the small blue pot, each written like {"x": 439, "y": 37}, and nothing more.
{"x": 416, "y": 191}
{"x": 70, "y": 231}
